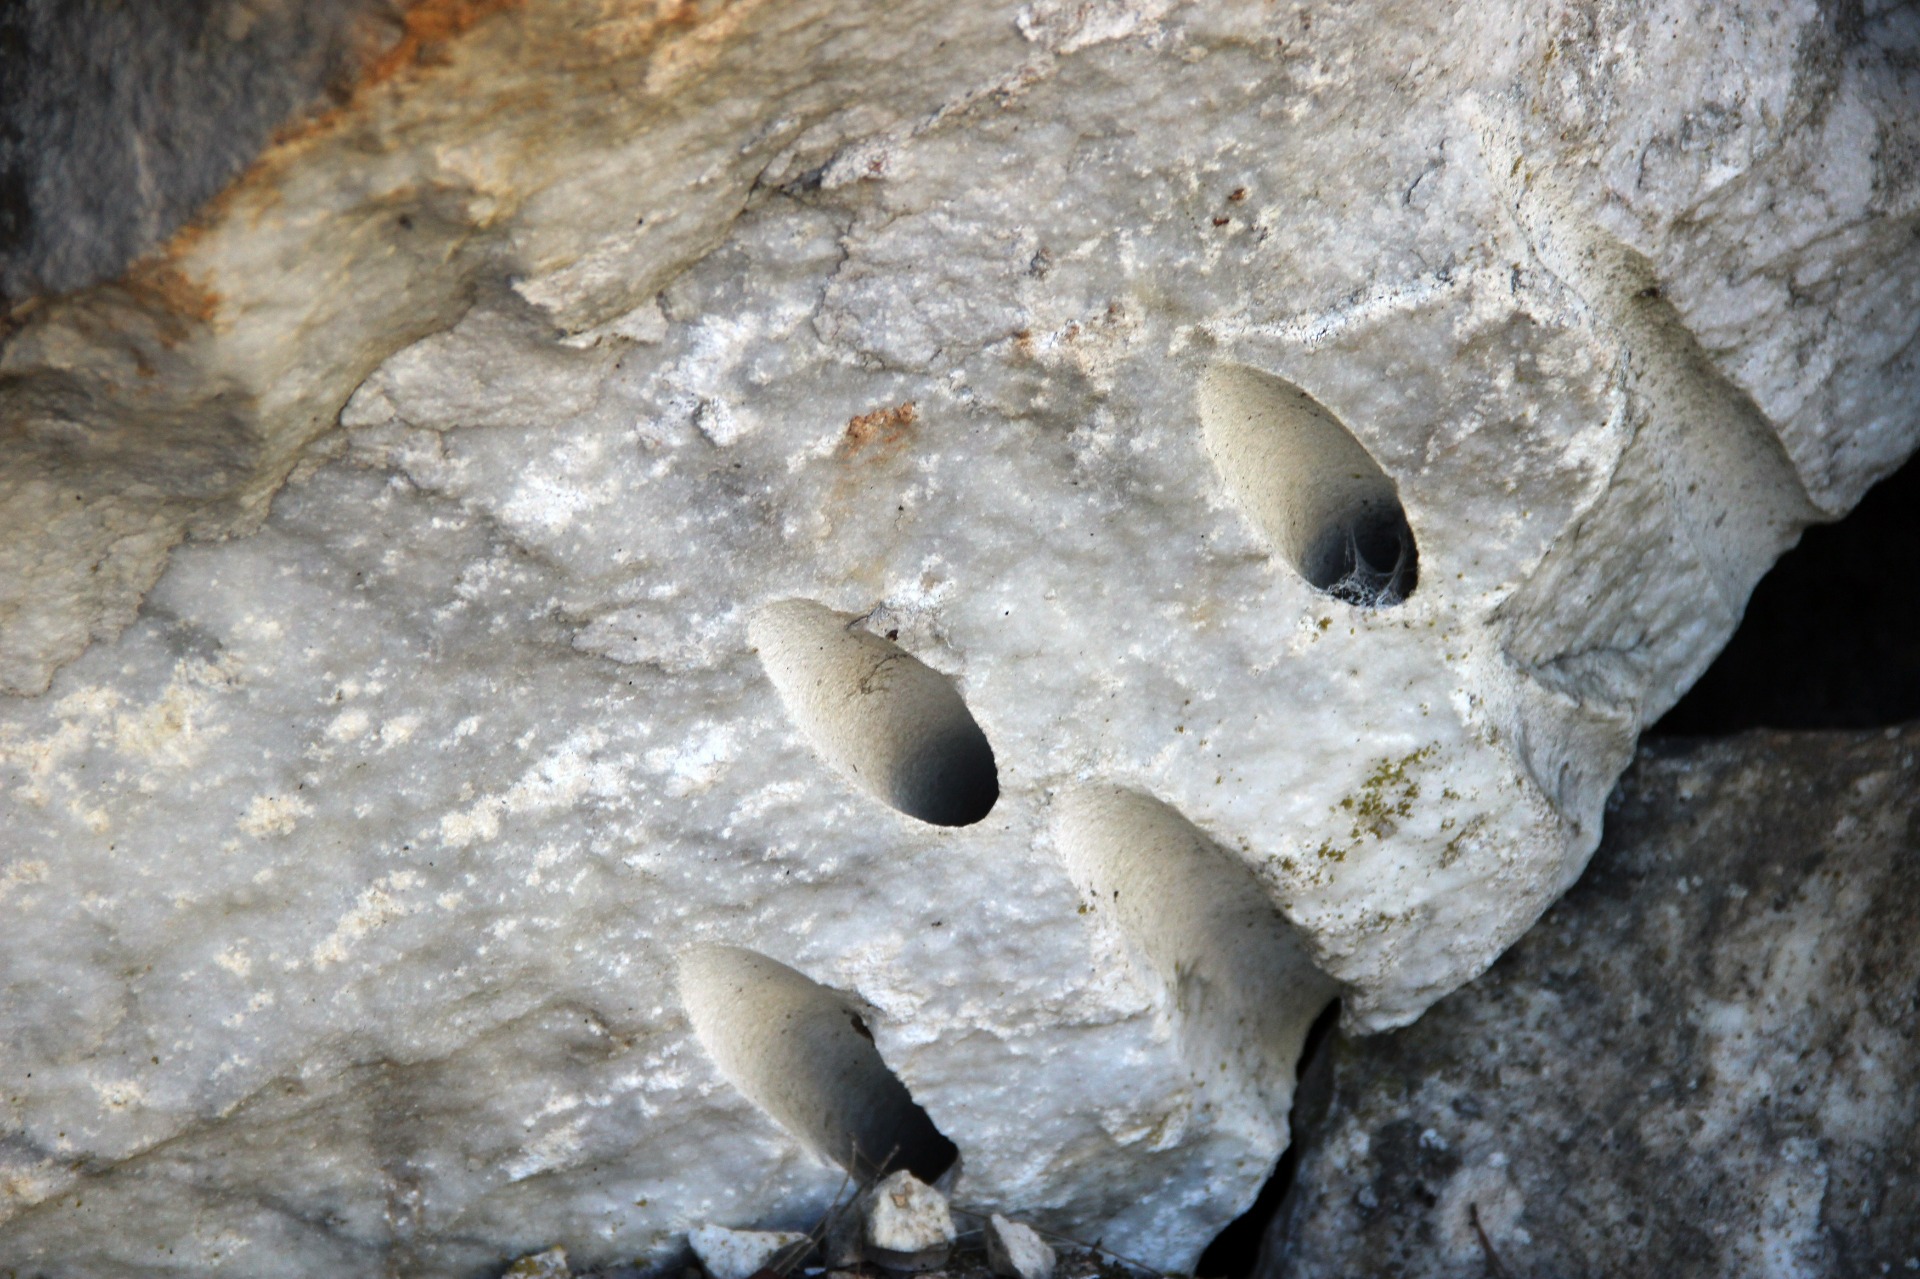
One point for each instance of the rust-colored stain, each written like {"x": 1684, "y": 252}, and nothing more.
{"x": 428, "y": 25}
{"x": 884, "y": 430}
{"x": 159, "y": 282}
{"x": 428, "y": 29}
{"x": 425, "y": 31}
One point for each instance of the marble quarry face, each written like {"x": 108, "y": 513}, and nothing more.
{"x": 668, "y": 601}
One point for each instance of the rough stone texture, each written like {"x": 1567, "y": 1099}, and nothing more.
{"x": 1703, "y": 1058}
{"x": 741, "y": 1254}
{"x": 907, "y": 1225}
{"x": 121, "y": 120}
{"x": 586, "y": 151}
{"x": 1016, "y": 1251}
{"x": 345, "y": 888}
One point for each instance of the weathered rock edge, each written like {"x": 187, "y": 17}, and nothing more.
{"x": 1702, "y": 1057}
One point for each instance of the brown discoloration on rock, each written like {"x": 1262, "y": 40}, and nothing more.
{"x": 428, "y": 25}
{"x": 160, "y": 280}
{"x": 884, "y": 431}
{"x": 427, "y": 28}
{"x": 203, "y": 369}
{"x": 160, "y": 283}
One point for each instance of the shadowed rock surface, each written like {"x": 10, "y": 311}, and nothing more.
{"x": 1700, "y": 1062}
{"x": 1827, "y": 640}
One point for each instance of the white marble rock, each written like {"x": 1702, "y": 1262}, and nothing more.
{"x": 1016, "y": 1250}
{"x": 906, "y": 1224}
{"x": 868, "y": 419}
{"x": 740, "y": 1254}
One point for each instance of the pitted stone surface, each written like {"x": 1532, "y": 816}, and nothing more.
{"x": 348, "y": 872}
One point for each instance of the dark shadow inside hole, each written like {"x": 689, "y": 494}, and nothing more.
{"x": 896, "y": 1132}
{"x": 802, "y": 1053}
{"x": 950, "y": 780}
{"x": 1369, "y": 560}
{"x": 1308, "y": 484}
{"x": 915, "y": 1145}
{"x": 1235, "y": 1251}
{"x": 1831, "y": 637}
{"x": 891, "y": 724}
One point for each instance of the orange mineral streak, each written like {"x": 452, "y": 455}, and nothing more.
{"x": 162, "y": 282}
{"x": 625, "y": 31}
{"x": 159, "y": 281}
{"x": 426, "y": 30}
{"x": 428, "y": 25}
{"x": 884, "y": 430}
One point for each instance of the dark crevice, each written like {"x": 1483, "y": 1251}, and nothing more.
{"x": 1235, "y": 1251}
{"x": 949, "y": 778}
{"x": 1831, "y": 637}
{"x": 1367, "y": 561}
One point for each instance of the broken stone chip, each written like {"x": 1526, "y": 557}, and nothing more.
{"x": 740, "y": 1254}
{"x": 551, "y": 1264}
{"x": 1016, "y": 1250}
{"x": 907, "y": 1225}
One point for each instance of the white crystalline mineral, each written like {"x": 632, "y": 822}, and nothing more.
{"x": 907, "y": 1224}
{"x": 1016, "y": 1250}
{"x": 740, "y": 1254}
{"x": 871, "y": 576}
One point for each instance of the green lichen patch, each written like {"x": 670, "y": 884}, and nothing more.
{"x": 1382, "y": 802}
{"x": 1457, "y": 845}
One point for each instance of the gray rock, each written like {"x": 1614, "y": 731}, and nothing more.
{"x": 908, "y": 1224}
{"x": 842, "y": 1247}
{"x": 1016, "y": 1250}
{"x": 1703, "y": 1058}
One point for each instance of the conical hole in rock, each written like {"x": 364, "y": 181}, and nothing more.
{"x": 1241, "y": 986}
{"x": 1311, "y": 488}
{"x": 880, "y": 715}
{"x": 802, "y": 1053}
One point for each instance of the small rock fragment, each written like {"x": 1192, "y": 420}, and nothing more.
{"x": 551, "y": 1264}
{"x": 1016, "y": 1251}
{"x": 908, "y": 1226}
{"x": 740, "y": 1254}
